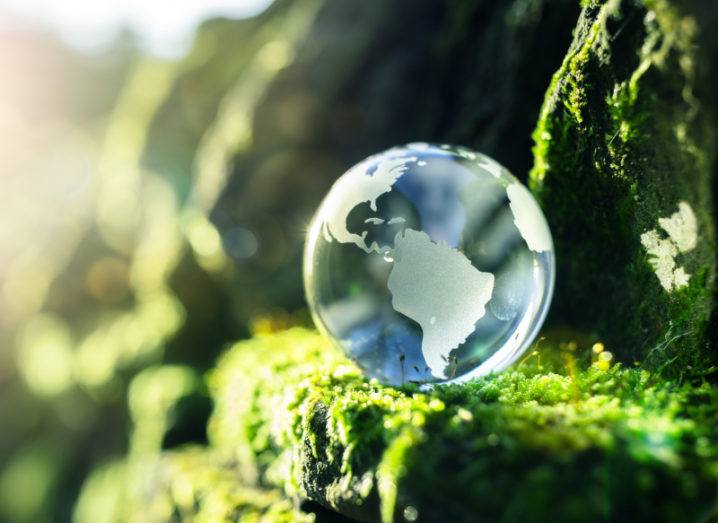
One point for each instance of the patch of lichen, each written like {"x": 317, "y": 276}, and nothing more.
{"x": 621, "y": 139}
{"x": 567, "y": 444}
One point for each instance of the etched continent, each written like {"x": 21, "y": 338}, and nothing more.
{"x": 437, "y": 287}
{"x": 528, "y": 218}
{"x": 355, "y": 188}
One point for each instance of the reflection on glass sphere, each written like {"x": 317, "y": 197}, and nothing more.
{"x": 429, "y": 264}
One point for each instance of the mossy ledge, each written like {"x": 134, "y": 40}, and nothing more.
{"x": 626, "y": 137}
{"x": 192, "y": 484}
{"x": 591, "y": 445}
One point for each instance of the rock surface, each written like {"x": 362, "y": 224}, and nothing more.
{"x": 530, "y": 444}
{"x": 624, "y": 163}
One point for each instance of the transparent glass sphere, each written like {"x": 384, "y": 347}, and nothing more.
{"x": 429, "y": 264}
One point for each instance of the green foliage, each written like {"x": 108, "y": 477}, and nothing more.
{"x": 589, "y": 444}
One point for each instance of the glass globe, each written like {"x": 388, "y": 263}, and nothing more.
{"x": 429, "y": 264}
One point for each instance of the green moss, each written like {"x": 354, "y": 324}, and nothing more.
{"x": 189, "y": 485}
{"x": 589, "y": 445}
{"x": 186, "y": 483}
{"x": 621, "y": 140}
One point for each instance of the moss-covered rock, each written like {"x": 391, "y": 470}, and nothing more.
{"x": 624, "y": 156}
{"x": 191, "y": 485}
{"x": 591, "y": 445}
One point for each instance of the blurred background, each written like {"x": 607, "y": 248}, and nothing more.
{"x": 159, "y": 164}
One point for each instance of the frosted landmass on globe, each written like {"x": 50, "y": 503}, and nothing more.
{"x": 429, "y": 264}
